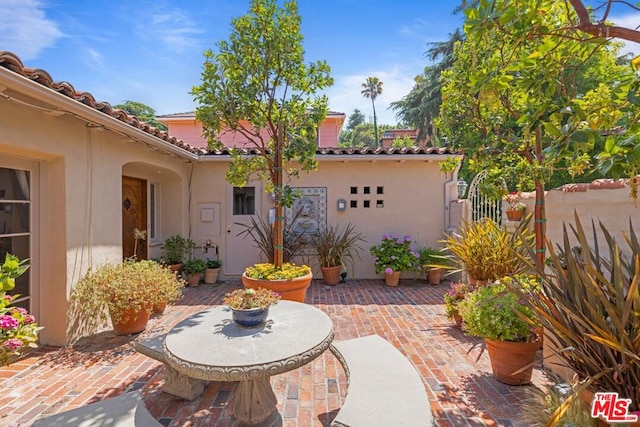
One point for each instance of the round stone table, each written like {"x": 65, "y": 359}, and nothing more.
{"x": 210, "y": 346}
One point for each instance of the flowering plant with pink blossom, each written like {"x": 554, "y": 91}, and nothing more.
{"x": 18, "y": 328}
{"x": 395, "y": 254}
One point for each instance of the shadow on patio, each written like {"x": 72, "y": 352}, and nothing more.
{"x": 411, "y": 317}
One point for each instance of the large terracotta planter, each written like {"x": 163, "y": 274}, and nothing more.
{"x": 392, "y": 279}
{"x": 289, "y": 289}
{"x": 193, "y": 279}
{"x": 508, "y": 357}
{"x": 331, "y": 275}
{"x": 132, "y": 322}
{"x": 160, "y": 307}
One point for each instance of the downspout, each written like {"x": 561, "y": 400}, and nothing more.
{"x": 453, "y": 182}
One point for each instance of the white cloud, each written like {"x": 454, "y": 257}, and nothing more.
{"x": 25, "y": 28}
{"x": 172, "y": 27}
{"x": 632, "y": 21}
{"x": 93, "y": 59}
{"x": 344, "y": 96}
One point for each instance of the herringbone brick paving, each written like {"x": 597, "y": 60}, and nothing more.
{"x": 461, "y": 390}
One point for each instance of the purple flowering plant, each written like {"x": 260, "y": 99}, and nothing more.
{"x": 456, "y": 293}
{"x": 395, "y": 254}
{"x": 18, "y": 328}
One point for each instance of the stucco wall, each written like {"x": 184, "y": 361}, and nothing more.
{"x": 411, "y": 207}
{"x": 79, "y": 206}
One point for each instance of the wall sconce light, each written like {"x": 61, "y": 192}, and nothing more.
{"x": 342, "y": 205}
{"x": 271, "y": 217}
{"x": 462, "y": 188}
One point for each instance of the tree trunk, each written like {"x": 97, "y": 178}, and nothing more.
{"x": 278, "y": 229}
{"x": 539, "y": 210}
{"x": 375, "y": 123}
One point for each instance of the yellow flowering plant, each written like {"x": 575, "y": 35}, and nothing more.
{"x": 267, "y": 271}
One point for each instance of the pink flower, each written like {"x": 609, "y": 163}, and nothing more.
{"x": 8, "y": 322}
{"x": 388, "y": 270}
{"x": 29, "y": 319}
{"x": 8, "y": 297}
{"x": 13, "y": 344}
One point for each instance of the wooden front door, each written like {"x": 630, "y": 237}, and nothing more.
{"x": 134, "y": 216}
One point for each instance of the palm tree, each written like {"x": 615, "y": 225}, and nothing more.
{"x": 371, "y": 88}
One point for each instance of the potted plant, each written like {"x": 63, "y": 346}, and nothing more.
{"x": 334, "y": 247}
{"x": 18, "y": 328}
{"x": 432, "y": 261}
{"x": 456, "y": 293}
{"x": 589, "y": 311}
{"x": 393, "y": 256}
{"x": 194, "y": 269}
{"x": 488, "y": 251}
{"x": 250, "y": 307}
{"x": 212, "y": 271}
{"x": 290, "y": 280}
{"x": 175, "y": 250}
{"x": 515, "y": 208}
{"x": 497, "y": 313}
{"x": 125, "y": 292}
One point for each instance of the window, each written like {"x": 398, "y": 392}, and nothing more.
{"x": 244, "y": 200}
{"x": 353, "y": 204}
{"x": 379, "y": 190}
{"x": 15, "y": 223}
{"x": 354, "y": 190}
{"x": 367, "y": 203}
{"x": 379, "y": 203}
{"x": 366, "y": 190}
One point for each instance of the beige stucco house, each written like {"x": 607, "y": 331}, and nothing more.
{"x": 76, "y": 177}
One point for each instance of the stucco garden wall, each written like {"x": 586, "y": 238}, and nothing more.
{"x": 601, "y": 201}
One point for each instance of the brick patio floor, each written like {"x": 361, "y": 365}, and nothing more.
{"x": 411, "y": 316}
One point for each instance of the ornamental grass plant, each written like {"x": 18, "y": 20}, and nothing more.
{"x": 335, "y": 245}
{"x": 590, "y": 308}
{"x": 488, "y": 251}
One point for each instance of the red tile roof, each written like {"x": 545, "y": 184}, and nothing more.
{"x": 12, "y": 62}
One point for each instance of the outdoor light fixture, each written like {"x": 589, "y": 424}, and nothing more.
{"x": 342, "y": 205}
{"x": 462, "y": 188}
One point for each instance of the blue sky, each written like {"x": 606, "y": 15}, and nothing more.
{"x": 151, "y": 50}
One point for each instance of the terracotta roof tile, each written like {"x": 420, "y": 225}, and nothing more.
{"x": 12, "y": 62}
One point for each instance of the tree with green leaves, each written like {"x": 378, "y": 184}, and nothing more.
{"x": 372, "y": 88}
{"x": 258, "y": 85}
{"x": 356, "y": 118}
{"x": 421, "y": 105}
{"x": 515, "y": 100}
{"x": 143, "y": 112}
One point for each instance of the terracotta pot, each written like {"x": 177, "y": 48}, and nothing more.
{"x": 160, "y": 307}
{"x": 458, "y": 319}
{"x": 211, "y": 275}
{"x": 132, "y": 322}
{"x": 434, "y": 275}
{"x": 515, "y": 215}
{"x": 475, "y": 282}
{"x": 250, "y": 318}
{"x": 193, "y": 279}
{"x": 508, "y": 357}
{"x": 289, "y": 289}
{"x": 392, "y": 279}
{"x": 176, "y": 268}
{"x": 331, "y": 275}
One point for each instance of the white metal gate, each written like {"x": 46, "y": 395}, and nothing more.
{"x": 481, "y": 206}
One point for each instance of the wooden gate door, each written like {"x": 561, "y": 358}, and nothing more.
{"x": 134, "y": 216}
